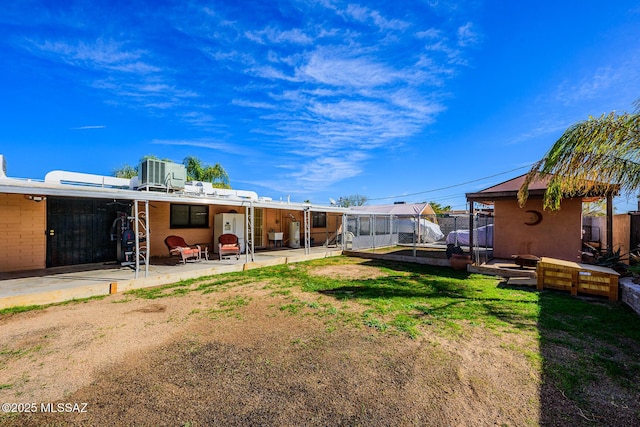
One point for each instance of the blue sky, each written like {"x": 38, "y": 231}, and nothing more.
{"x": 393, "y": 100}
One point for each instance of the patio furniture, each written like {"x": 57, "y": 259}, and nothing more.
{"x": 178, "y": 247}
{"x": 204, "y": 249}
{"x": 228, "y": 245}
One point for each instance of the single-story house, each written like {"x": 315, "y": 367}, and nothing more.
{"x": 75, "y": 218}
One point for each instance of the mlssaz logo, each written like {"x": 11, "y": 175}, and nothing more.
{"x": 64, "y": 407}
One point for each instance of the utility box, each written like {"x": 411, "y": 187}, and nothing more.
{"x": 161, "y": 175}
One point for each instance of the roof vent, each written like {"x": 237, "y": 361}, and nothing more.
{"x": 3, "y": 167}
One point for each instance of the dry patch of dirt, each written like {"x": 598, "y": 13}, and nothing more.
{"x": 348, "y": 272}
{"x": 236, "y": 358}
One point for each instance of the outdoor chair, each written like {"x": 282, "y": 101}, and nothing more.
{"x": 228, "y": 245}
{"x": 178, "y": 247}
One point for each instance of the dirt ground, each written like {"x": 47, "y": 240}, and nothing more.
{"x": 239, "y": 357}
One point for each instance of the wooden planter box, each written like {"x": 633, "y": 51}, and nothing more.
{"x": 577, "y": 278}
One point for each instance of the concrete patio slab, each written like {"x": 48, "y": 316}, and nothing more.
{"x": 60, "y": 284}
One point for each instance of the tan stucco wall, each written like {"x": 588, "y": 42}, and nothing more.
{"x": 274, "y": 219}
{"x": 279, "y": 220}
{"x": 23, "y": 243}
{"x": 558, "y": 235}
{"x": 160, "y": 227}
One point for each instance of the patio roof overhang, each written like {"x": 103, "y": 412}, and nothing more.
{"x": 39, "y": 188}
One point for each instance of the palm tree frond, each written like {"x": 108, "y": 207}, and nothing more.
{"x": 600, "y": 154}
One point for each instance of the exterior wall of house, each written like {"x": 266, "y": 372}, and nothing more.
{"x": 23, "y": 243}
{"x": 23, "y": 222}
{"x": 160, "y": 227}
{"x": 273, "y": 219}
{"x": 278, "y": 220}
{"x": 558, "y": 235}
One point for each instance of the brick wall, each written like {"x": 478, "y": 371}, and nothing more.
{"x": 23, "y": 243}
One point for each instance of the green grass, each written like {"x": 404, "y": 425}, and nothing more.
{"x": 25, "y": 308}
{"x": 602, "y": 339}
{"x": 407, "y": 296}
{"x": 21, "y": 309}
{"x": 412, "y": 295}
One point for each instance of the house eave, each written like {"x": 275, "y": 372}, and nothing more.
{"x": 38, "y": 188}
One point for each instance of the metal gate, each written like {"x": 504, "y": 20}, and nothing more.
{"x": 78, "y": 230}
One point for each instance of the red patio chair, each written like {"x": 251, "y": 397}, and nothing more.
{"x": 228, "y": 245}
{"x": 177, "y": 246}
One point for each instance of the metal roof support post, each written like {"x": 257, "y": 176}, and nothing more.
{"x": 455, "y": 228}
{"x": 137, "y": 231}
{"x": 326, "y": 230}
{"x": 471, "y": 208}
{"x": 475, "y": 253}
{"x": 249, "y": 248}
{"x": 344, "y": 231}
{"x": 307, "y": 231}
{"x": 391, "y": 230}
{"x": 415, "y": 234}
{"x": 372, "y": 230}
{"x": 146, "y": 241}
{"x": 486, "y": 240}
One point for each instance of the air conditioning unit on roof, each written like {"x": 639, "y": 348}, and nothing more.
{"x": 161, "y": 175}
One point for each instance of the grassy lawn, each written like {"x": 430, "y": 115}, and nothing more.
{"x": 578, "y": 358}
{"x": 588, "y": 349}
{"x": 402, "y": 298}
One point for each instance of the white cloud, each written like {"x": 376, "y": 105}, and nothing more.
{"x": 545, "y": 127}
{"x": 106, "y": 55}
{"x": 271, "y": 35}
{"x": 89, "y": 127}
{"x": 467, "y": 36}
{"x": 590, "y": 87}
{"x": 254, "y": 104}
{"x": 613, "y": 80}
{"x": 324, "y": 67}
{"x": 431, "y": 33}
{"x": 326, "y": 86}
{"x": 211, "y": 144}
{"x": 323, "y": 172}
{"x": 270, "y": 72}
{"x": 364, "y": 14}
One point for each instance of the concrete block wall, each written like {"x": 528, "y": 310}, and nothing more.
{"x": 23, "y": 243}
{"x": 630, "y": 293}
